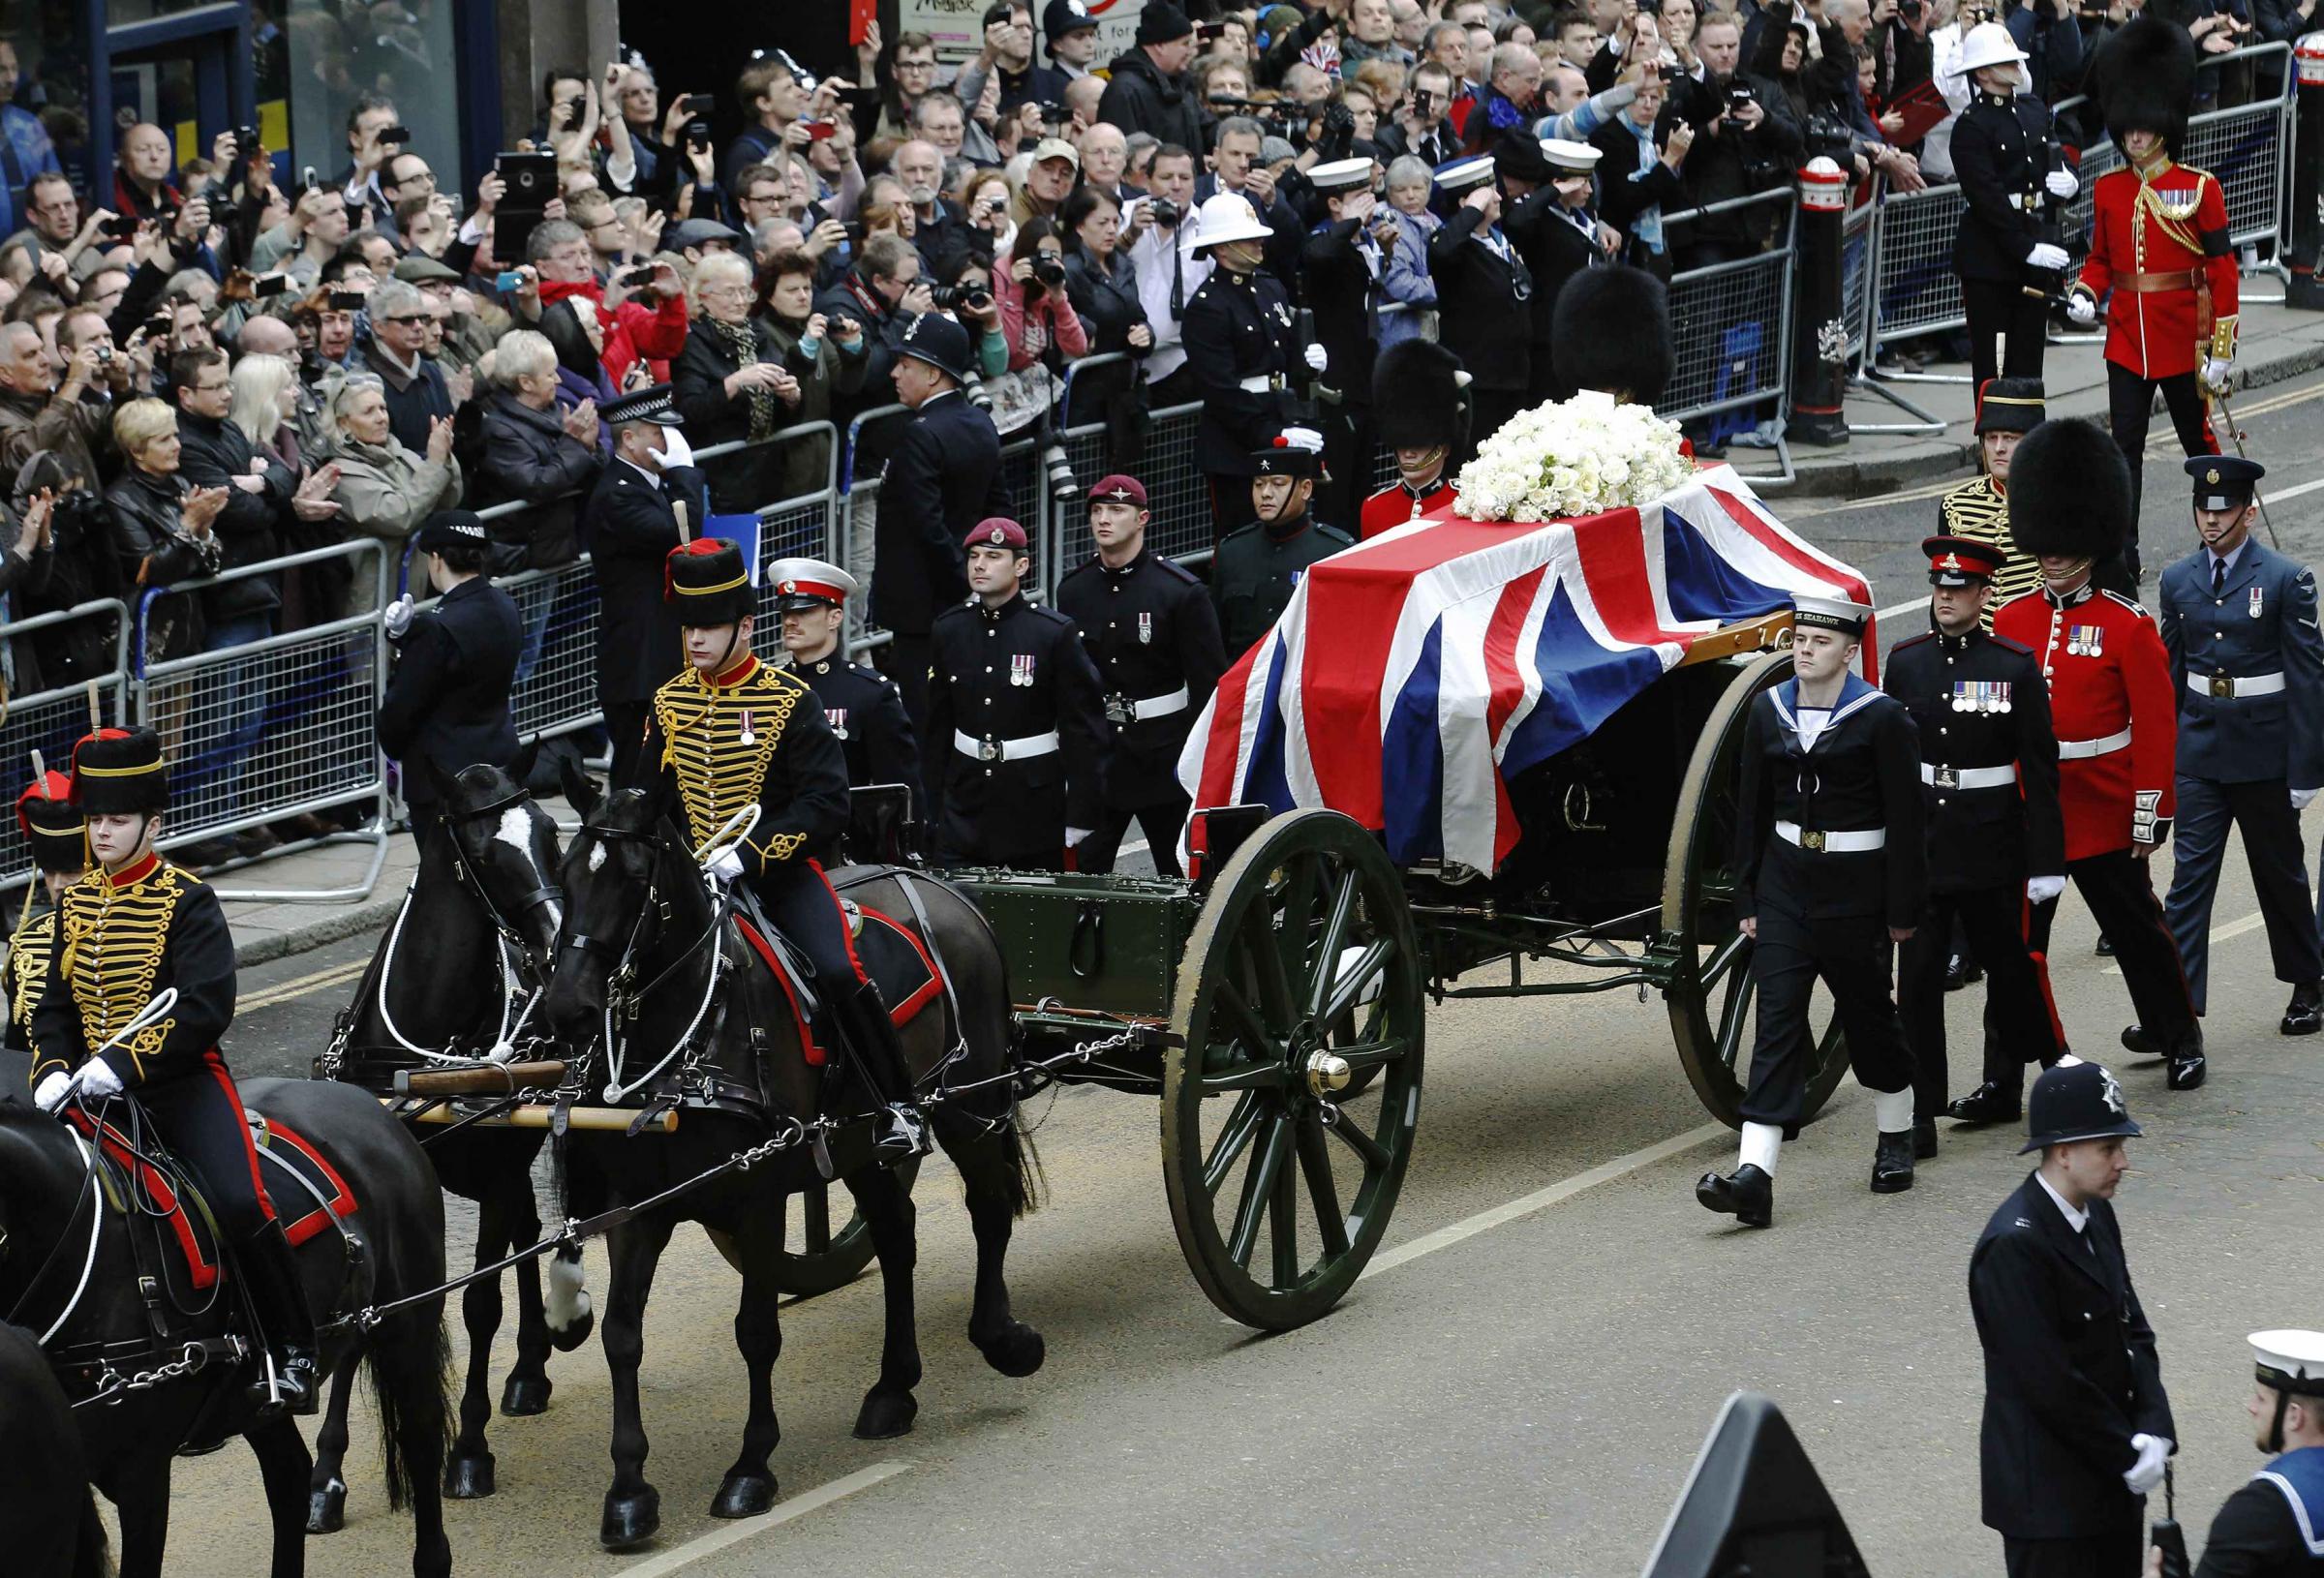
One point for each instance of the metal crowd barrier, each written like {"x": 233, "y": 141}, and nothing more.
{"x": 1732, "y": 326}
{"x": 49, "y": 722}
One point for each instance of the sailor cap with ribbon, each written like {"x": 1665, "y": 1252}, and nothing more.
{"x": 1341, "y": 175}
{"x": 1455, "y": 176}
{"x": 1569, "y": 158}
{"x": 1814, "y": 612}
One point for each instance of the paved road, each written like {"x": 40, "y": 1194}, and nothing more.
{"x": 1514, "y": 1391}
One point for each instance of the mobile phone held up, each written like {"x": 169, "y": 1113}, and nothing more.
{"x": 508, "y": 280}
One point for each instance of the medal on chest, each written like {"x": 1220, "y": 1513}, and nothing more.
{"x": 1146, "y": 627}
{"x": 838, "y": 721}
{"x": 1980, "y": 695}
{"x": 747, "y": 733}
{"x": 1021, "y": 669}
{"x": 2085, "y": 640}
{"x": 2255, "y": 602}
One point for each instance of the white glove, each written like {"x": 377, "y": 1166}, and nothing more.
{"x": 97, "y": 1078}
{"x": 2047, "y": 254}
{"x": 2042, "y": 890}
{"x": 2062, "y": 183}
{"x": 2217, "y": 371}
{"x": 2081, "y": 311}
{"x": 2146, "y": 1474}
{"x": 676, "y": 451}
{"x": 399, "y": 616}
{"x": 52, "y": 1091}
{"x": 1073, "y": 837}
{"x": 1317, "y": 360}
{"x": 725, "y": 864}
{"x": 2301, "y": 798}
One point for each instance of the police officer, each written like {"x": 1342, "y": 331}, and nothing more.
{"x": 1341, "y": 272}
{"x": 2077, "y": 1427}
{"x": 1488, "y": 288}
{"x": 648, "y": 500}
{"x": 54, "y": 833}
{"x": 1153, "y": 635}
{"x": 1419, "y": 403}
{"x": 1015, "y": 718}
{"x": 863, "y": 706}
{"x": 1989, "y": 787}
{"x": 2111, "y": 702}
{"x": 729, "y": 732}
{"x": 1242, "y": 351}
{"x": 2274, "y": 1526}
{"x": 2007, "y": 410}
{"x": 1255, "y": 570}
{"x": 129, "y": 929}
{"x": 1830, "y": 872}
{"x": 2239, "y": 621}
{"x": 2002, "y": 153}
{"x": 447, "y": 700}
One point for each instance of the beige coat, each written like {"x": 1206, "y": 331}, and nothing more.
{"x": 386, "y": 491}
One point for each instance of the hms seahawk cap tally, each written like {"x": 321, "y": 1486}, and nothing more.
{"x": 1813, "y": 610}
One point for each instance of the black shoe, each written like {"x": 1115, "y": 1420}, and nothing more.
{"x": 1892, "y": 1164}
{"x": 2105, "y": 948}
{"x": 1962, "y": 972}
{"x": 2303, "y": 1016}
{"x": 1989, "y": 1102}
{"x": 2139, "y": 1044}
{"x": 1924, "y": 1139}
{"x": 2188, "y": 1066}
{"x": 1748, "y": 1196}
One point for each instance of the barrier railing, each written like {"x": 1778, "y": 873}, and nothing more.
{"x": 1731, "y": 324}
{"x": 51, "y": 721}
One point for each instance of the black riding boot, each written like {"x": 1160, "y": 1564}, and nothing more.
{"x": 878, "y": 1055}
{"x": 287, "y": 1327}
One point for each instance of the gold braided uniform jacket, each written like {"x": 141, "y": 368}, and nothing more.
{"x": 755, "y": 735}
{"x": 1978, "y": 511}
{"x": 122, "y": 938}
{"x": 28, "y": 974}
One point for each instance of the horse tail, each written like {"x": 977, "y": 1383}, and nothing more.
{"x": 92, "y": 1557}
{"x": 409, "y": 1362}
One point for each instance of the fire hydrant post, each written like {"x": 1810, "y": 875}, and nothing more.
{"x": 1818, "y": 328}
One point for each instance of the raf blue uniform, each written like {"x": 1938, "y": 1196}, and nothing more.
{"x": 2247, "y": 667}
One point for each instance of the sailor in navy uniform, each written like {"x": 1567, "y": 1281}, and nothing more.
{"x": 1015, "y": 718}
{"x": 1830, "y": 872}
{"x": 863, "y": 706}
{"x": 2239, "y": 621}
{"x": 1555, "y": 230}
{"x": 2077, "y": 1429}
{"x": 2274, "y": 1526}
{"x": 1488, "y": 288}
{"x": 1340, "y": 270}
{"x": 1989, "y": 786}
{"x": 1242, "y": 351}
{"x": 1153, "y": 635}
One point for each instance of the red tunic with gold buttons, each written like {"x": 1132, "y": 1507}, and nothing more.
{"x": 2115, "y": 712}
{"x": 2158, "y": 241}
{"x": 1396, "y": 503}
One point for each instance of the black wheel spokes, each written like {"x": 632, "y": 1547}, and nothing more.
{"x": 1323, "y": 1194}
{"x": 1250, "y": 1111}
{"x": 814, "y": 1218}
{"x": 1258, "y": 1194}
{"x": 1734, "y": 1015}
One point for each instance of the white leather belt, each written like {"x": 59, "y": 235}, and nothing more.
{"x": 1004, "y": 750}
{"x": 1968, "y": 777}
{"x": 1831, "y": 843}
{"x": 1262, "y": 383}
{"x": 1121, "y": 708}
{"x": 2229, "y": 688}
{"x": 2075, "y": 751}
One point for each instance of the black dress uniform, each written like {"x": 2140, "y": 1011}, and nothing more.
{"x": 1340, "y": 271}
{"x": 2001, "y": 154}
{"x": 2274, "y": 1526}
{"x": 1016, "y": 717}
{"x": 122, "y": 939}
{"x": 2071, "y": 1369}
{"x": 447, "y": 698}
{"x": 863, "y": 706}
{"x": 1556, "y": 242}
{"x": 1243, "y": 354}
{"x": 1152, "y": 632}
{"x": 53, "y": 830}
{"x": 1257, "y": 568}
{"x": 1487, "y": 288}
{"x": 1989, "y": 790}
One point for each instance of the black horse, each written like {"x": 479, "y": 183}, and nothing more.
{"x": 441, "y": 982}
{"x": 640, "y": 918}
{"x": 41, "y": 1472}
{"x": 53, "y": 1223}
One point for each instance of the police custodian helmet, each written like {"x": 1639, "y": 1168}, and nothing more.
{"x": 2076, "y": 1101}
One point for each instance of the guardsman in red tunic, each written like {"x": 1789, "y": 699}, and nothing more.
{"x": 2159, "y": 243}
{"x": 1419, "y": 411}
{"x": 2116, "y": 714}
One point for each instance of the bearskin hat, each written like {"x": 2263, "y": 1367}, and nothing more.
{"x": 119, "y": 772}
{"x": 52, "y": 824}
{"x": 1416, "y": 396}
{"x": 1611, "y": 331}
{"x": 2146, "y": 79}
{"x": 2070, "y": 490}
{"x": 709, "y": 584}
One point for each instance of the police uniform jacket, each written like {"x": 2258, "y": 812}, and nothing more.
{"x": 2274, "y": 1526}
{"x": 1400, "y": 502}
{"x": 755, "y": 735}
{"x": 1153, "y": 636}
{"x": 1256, "y": 569}
{"x": 866, "y": 714}
{"x": 1013, "y": 673}
{"x": 1242, "y": 348}
{"x": 1862, "y": 773}
{"x": 2262, "y": 626}
{"x": 1483, "y": 285}
{"x": 2070, "y": 1370}
{"x": 943, "y": 477}
{"x": 447, "y": 700}
{"x": 1988, "y": 758}
{"x": 629, "y": 530}
{"x": 2111, "y": 704}
{"x": 2000, "y": 153}
{"x": 123, "y": 938}
{"x": 2158, "y": 241}
{"x": 1339, "y": 280}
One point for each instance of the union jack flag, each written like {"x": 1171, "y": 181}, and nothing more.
{"x": 1411, "y": 675}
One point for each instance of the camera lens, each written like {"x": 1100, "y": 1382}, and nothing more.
{"x": 1058, "y": 471}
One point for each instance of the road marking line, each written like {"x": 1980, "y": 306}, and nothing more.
{"x": 302, "y": 985}
{"x": 1445, "y": 1238}
{"x": 2234, "y": 929}
{"x": 734, "y": 1534}
{"x": 2279, "y": 494}
{"x": 1905, "y": 496}
{"x": 2279, "y": 403}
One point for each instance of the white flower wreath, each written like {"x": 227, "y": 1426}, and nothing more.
{"x": 1571, "y": 457}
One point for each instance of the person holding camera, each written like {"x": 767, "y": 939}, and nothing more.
{"x": 730, "y": 384}
{"x": 1639, "y": 179}
{"x": 2002, "y": 151}
{"x": 1743, "y": 148}
{"x": 1036, "y": 315}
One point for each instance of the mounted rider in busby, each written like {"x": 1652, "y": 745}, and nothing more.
{"x": 1420, "y": 409}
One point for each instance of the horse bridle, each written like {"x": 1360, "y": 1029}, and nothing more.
{"x": 547, "y": 893}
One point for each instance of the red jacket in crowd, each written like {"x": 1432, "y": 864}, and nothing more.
{"x": 632, "y": 331}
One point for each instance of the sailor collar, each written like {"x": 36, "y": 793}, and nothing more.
{"x": 2081, "y": 595}
{"x": 1855, "y": 696}
{"x": 137, "y": 871}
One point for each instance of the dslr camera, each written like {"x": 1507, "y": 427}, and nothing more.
{"x": 1166, "y": 213}
{"x": 945, "y": 297}
{"x": 1049, "y": 272}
